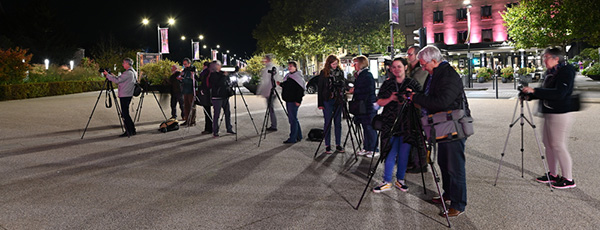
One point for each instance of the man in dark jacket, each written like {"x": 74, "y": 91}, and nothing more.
{"x": 205, "y": 97}
{"x": 176, "y": 97}
{"x": 443, "y": 91}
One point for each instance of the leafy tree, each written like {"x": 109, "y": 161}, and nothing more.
{"x": 14, "y": 64}
{"x": 109, "y": 53}
{"x": 542, "y": 23}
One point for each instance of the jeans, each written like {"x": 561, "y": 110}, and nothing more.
{"x": 370, "y": 139}
{"x": 398, "y": 156}
{"x": 328, "y": 112}
{"x": 176, "y": 98}
{"x": 451, "y": 159}
{"x": 272, "y": 111}
{"x": 217, "y": 105}
{"x": 129, "y": 126}
{"x": 295, "y": 130}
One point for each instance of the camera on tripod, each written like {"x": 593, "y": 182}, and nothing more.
{"x": 101, "y": 70}
{"x": 191, "y": 68}
{"x": 523, "y": 95}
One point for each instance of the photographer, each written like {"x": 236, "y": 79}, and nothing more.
{"x": 554, "y": 96}
{"x": 331, "y": 97}
{"x": 188, "y": 88}
{"x": 205, "y": 98}
{"x": 267, "y": 82}
{"x": 444, "y": 91}
{"x": 176, "y": 97}
{"x": 417, "y": 73}
{"x": 364, "y": 93}
{"x": 126, "y": 82}
{"x": 396, "y": 144}
{"x": 293, "y": 86}
{"x": 220, "y": 91}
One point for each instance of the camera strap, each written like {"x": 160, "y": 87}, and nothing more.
{"x": 108, "y": 100}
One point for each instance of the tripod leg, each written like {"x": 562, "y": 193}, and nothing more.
{"x": 138, "y": 111}
{"x": 159, "y": 106}
{"x": 92, "y": 114}
{"x": 506, "y": 143}
{"x": 326, "y": 131}
{"x": 118, "y": 108}
{"x": 537, "y": 139}
{"x": 264, "y": 125}
{"x": 436, "y": 179}
{"x": 368, "y": 182}
{"x": 247, "y": 109}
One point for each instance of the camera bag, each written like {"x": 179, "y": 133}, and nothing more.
{"x": 315, "y": 135}
{"x": 169, "y": 125}
{"x": 449, "y": 125}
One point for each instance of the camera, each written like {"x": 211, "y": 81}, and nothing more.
{"x": 101, "y": 70}
{"x": 191, "y": 68}
{"x": 523, "y": 95}
{"x": 272, "y": 71}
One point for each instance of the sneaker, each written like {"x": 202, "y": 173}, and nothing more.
{"x": 384, "y": 186}
{"x": 544, "y": 179}
{"x": 438, "y": 200}
{"x": 361, "y": 152}
{"x": 328, "y": 150}
{"x": 371, "y": 154}
{"x": 563, "y": 183}
{"x": 339, "y": 149}
{"x": 401, "y": 186}
{"x": 272, "y": 129}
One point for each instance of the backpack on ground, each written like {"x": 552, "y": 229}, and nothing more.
{"x": 169, "y": 125}
{"x": 315, "y": 135}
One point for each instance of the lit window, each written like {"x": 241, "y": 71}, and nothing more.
{"x": 438, "y": 17}
{"x": 461, "y": 37}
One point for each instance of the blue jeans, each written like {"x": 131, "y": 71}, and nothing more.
{"x": 328, "y": 112}
{"x": 370, "y": 139}
{"x": 451, "y": 159}
{"x": 398, "y": 156}
{"x": 295, "y": 131}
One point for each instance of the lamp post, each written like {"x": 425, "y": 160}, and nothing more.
{"x": 468, "y": 5}
{"x": 46, "y": 63}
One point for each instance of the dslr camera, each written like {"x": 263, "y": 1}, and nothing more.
{"x": 101, "y": 70}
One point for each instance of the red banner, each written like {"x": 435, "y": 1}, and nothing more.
{"x": 164, "y": 40}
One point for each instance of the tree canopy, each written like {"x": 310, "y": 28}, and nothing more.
{"x": 542, "y": 23}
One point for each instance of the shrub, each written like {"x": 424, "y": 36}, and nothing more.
{"x": 485, "y": 72}
{"x": 157, "y": 73}
{"x": 507, "y": 72}
{"x": 592, "y": 70}
{"x": 14, "y": 64}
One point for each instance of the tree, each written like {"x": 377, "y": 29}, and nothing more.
{"x": 542, "y": 23}
{"x": 14, "y": 64}
{"x": 109, "y": 53}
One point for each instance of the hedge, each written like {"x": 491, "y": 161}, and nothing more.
{"x": 32, "y": 90}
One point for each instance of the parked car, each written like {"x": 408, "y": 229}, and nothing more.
{"x": 312, "y": 85}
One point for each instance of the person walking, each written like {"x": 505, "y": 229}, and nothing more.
{"x": 554, "y": 96}
{"x": 364, "y": 93}
{"x": 126, "y": 82}
{"x": 396, "y": 136}
{"x": 293, "y": 87}
{"x": 443, "y": 92}
{"x": 330, "y": 99}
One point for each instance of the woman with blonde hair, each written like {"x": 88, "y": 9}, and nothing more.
{"x": 330, "y": 100}
{"x": 364, "y": 93}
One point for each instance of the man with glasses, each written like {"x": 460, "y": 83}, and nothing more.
{"x": 414, "y": 67}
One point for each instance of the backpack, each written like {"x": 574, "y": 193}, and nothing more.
{"x": 169, "y": 125}
{"x": 315, "y": 135}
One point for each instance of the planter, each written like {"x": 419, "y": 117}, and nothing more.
{"x": 480, "y": 79}
{"x": 251, "y": 87}
{"x": 505, "y": 80}
{"x": 594, "y": 77}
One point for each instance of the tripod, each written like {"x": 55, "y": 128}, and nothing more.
{"x": 138, "y": 111}
{"x": 522, "y": 120}
{"x": 108, "y": 87}
{"x": 340, "y": 106}
{"x": 270, "y": 100}
{"x": 235, "y": 85}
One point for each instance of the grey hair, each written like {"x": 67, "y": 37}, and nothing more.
{"x": 214, "y": 64}
{"x": 129, "y": 61}
{"x": 555, "y": 53}
{"x": 429, "y": 53}
{"x": 269, "y": 57}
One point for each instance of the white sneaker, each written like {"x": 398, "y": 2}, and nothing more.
{"x": 361, "y": 152}
{"x": 371, "y": 154}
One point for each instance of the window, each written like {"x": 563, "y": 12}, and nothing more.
{"x": 486, "y": 12}
{"x": 406, "y": 2}
{"x": 486, "y": 35}
{"x": 438, "y": 37}
{"x": 510, "y": 5}
{"x": 410, "y": 19}
{"x": 461, "y": 15}
{"x": 461, "y": 37}
{"x": 438, "y": 17}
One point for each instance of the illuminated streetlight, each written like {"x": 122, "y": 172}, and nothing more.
{"x": 71, "y": 63}
{"x": 201, "y": 37}
{"x": 182, "y": 38}
{"x": 145, "y": 21}
{"x": 227, "y": 51}
{"x": 171, "y": 21}
{"x": 47, "y": 63}
{"x": 218, "y": 46}
{"x": 204, "y": 47}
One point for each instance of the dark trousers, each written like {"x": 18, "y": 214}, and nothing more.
{"x": 218, "y": 104}
{"x": 295, "y": 130}
{"x": 451, "y": 159}
{"x": 208, "y": 124}
{"x": 129, "y": 126}
{"x": 176, "y": 98}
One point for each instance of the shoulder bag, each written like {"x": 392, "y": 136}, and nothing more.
{"x": 449, "y": 125}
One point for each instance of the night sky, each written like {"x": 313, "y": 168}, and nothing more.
{"x": 226, "y": 23}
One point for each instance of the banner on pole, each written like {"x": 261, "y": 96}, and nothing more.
{"x": 225, "y": 59}
{"x": 164, "y": 40}
{"x": 394, "y": 12}
{"x": 214, "y": 54}
{"x": 196, "y": 48}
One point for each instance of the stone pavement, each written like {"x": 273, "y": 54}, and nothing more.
{"x": 50, "y": 178}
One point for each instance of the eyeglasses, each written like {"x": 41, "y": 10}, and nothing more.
{"x": 409, "y": 54}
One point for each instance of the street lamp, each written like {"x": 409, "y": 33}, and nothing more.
{"x": 71, "y": 64}
{"x": 183, "y": 38}
{"x": 468, "y": 5}
{"x": 46, "y": 63}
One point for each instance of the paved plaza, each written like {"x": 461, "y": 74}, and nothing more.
{"x": 50, "y": 178}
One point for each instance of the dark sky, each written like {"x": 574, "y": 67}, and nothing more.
{"x": 227, "y": 23}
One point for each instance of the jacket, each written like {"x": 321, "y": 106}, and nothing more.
{"x": 364, "y": 90}
{"x": 556, "y": 91}
{"x": 417, "y": 73}
{"x": 325, "y": 85}
{"x": 126, "y": 82}
{"x": 264, "y": 88}
{"x": 445, "y": 91}
{"x": 219, "y": 85}
{"x": 292, "y": 90}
